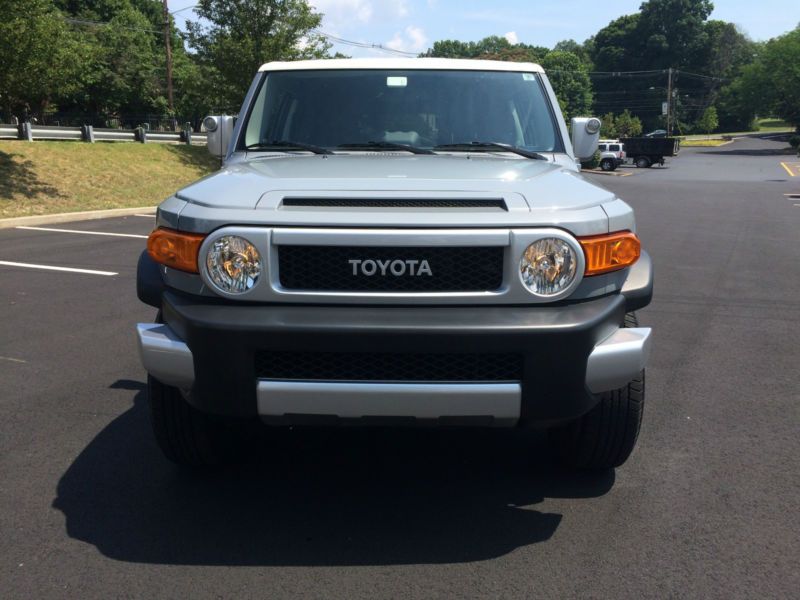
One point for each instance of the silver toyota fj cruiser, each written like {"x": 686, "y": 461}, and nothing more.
{"x": 396, "y": 242}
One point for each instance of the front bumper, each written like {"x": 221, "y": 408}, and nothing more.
{"x": 569, "y": 354}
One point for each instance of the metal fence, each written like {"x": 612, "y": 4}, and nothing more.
{"x": 87, "y": 133}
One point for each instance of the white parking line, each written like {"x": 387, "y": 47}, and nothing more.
{"x": 10, "y": 359}
{"x": 52, "y": 268}
{"x": 128, "y": 235}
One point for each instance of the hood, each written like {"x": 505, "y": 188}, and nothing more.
{"x": 543, "y": 185}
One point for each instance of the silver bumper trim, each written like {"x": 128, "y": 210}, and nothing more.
{"x": 419, "y": 400}
{"x": 613, "y": 363}
{"x": 616, "y": 360}
{"x": 164, "y": 355}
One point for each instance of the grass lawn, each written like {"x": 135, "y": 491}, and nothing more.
{"x": 773, "y": 126}
{"x": 769, "y": 125}
{"x": 689, "y": 142}
{"x": 39, "y": 178}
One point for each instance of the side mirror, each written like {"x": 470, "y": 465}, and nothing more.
{"x": 219, "y": 131}
{"x": 585, "y": 136}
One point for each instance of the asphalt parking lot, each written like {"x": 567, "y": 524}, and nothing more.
{"x": 706, "y": 507}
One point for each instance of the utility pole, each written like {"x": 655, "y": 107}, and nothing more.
{"x": 669, "y": 100}
{"x": 169, "y": 55}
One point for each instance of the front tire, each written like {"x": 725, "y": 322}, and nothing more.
{"x": 186, "y": 436}
{"x": 643, "y": 162}
{"x": 607, "y": 164}
{"x": 604, "y": 437}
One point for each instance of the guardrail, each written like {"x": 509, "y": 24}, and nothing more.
{"x": 87, "y": 133}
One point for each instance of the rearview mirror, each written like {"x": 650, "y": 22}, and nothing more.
{"x": 219, "y": 131}
{"x": 585, "y": 136}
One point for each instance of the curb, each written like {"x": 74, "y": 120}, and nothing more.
{"x": 86, "y": 215}
{"x": 609, "y": 173}
{"x": 725, "y": 143}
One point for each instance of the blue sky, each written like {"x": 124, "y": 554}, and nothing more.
{"x": 413, "y": 25}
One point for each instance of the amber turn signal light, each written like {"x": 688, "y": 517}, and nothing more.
{"x": 175, "y": 249}
{"x": 610, "y": 252}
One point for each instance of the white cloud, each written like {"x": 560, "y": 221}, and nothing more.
{"x": 342, "y": 14}
{"x": 417, "y": 37}
{"x": 341, "y": 11}
{"x": 412, "y": 39}
{"x": 512, "y": 38}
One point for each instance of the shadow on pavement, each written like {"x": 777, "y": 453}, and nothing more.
{"x": 317, "y": 497}
{"x": 787, "y": 151}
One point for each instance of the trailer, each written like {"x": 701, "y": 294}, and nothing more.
{"x": 647, "y": 151}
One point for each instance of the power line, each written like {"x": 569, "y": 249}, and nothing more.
{"x": 368, "y": 45}
{"x": 687, "y": 74}
{"x": 175, "y": 12}
{"x": 338, "y": 40}
{"x": 106, "y": 24}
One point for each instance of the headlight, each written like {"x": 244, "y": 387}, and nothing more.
{"x": 233, "y": 264}
{"x": 210, "y": 123}
{"x": 548, "y": 266}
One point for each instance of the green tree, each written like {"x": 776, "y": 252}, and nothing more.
{"x": 669, "y": 34}
{"x": 627, "y": 125}
{"x": 615, "y": 47}
{"x": 728, "y": 50}
{"x": 772, "y": 84}
{"x": 736, "y": 109}
{"x": 672, "y": 33}
{"x": 40, "y": 58}
{"x": 451, "y": 49}
{"x": 665, "y": 33}
{"x": 240, "y": 36}
{"x": 579, "y": 50}
{"x": 493, "y": 47}
{"x": 608, "y": 127}
{"x": 570, "y": 80}
{"x": 709, "y": 121}
{"x": 127, "y": 73}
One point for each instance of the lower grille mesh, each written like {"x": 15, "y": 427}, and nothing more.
{"x": 354, "y": 366}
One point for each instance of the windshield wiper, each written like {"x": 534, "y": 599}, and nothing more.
{"x": 287, "y": 145}
{"x": 488, "y": 146}
{"x": 385, "y": 146}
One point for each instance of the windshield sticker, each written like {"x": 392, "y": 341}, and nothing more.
{"x": 397, "y": 81}
{"x": 528, "y": 76}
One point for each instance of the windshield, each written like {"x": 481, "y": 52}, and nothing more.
{"x": 420, "y": 108}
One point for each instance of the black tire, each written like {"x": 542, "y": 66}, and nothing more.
{"x": 643, "y": 162}
{"x": 186, "y": 436}
{"x": 604, "y": 437}
{"x": 607, "y": 164}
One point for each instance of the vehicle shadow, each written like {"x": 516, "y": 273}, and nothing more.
{"x": 317, "y": 497}
{"x": 196, "y": 157}
{"x": 18, "y": 178}
{"x": 787, "y": 151}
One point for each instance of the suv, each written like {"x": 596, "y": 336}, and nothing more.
{"x": 396, "y": 242}
{"x": 612, "y": 154}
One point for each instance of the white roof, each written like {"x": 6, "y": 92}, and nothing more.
{"x": 404, "y": 64}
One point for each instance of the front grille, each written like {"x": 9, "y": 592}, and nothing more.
{"x": 470, "y": 203}
{"x": 328, "y": 268}
{"x": 354, "y": 366}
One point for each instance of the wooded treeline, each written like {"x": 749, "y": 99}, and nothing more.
{"x": 107, "y": 58}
